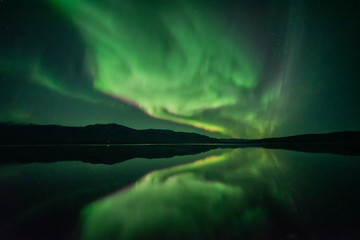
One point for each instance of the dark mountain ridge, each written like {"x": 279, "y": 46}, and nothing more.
{"x": 344, "y": 143}
{"x": 93, "y": 134}
{"x": 16, "y": 141}
{"x": 344, "y": 137}
{"x": 17, "y": 134}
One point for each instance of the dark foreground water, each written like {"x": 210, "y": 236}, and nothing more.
{"x": 245, "y": 193}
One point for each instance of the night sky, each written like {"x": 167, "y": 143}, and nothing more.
{"x": 245, "y": 69}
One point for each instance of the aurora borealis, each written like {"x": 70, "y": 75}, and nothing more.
{"x": 248, "y": 70}
{"x": 169, "y": 61}
{"x": 223, "y": 68}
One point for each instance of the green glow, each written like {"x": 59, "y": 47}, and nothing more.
{"x": 175, "y": 61}
{"x": 222, "y": 195}
{"x": 50, "y": 82}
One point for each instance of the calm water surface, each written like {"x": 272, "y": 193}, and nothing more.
{"x": 250, "y": 193}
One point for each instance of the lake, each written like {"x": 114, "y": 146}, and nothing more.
{"x": 179, "y": 192}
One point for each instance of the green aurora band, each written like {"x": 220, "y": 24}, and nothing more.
{"x": 229, "y": 196}
{"x": 175, "y": 61}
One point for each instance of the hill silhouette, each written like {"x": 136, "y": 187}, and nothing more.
{"x": 94, "y": 134}
{"x": 177, "y": 143}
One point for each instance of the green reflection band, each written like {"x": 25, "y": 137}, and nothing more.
{"x": 175, "y": 61}
{"x": 219, "y": 197}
